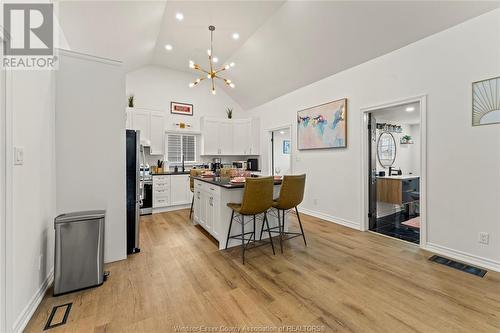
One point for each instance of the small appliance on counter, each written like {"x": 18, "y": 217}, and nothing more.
{"x": 253, "y": 164}
{"x": 240, "y": 165}
{"x": 216, "y": 164}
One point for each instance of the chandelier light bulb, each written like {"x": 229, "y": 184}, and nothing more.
{"x": 226, "y": 67}
{"x": 231, "y": 85}
{"x": 228, "y": 81}
{"x": 209, "y": 52}
{"x": 232, "y": 64}
{"x": 215, "y": 59}
{"x": 198, "y": 80}
{"x": 208, "y": 76}
{"x": 214, "y": 92}
{"x": 191, "y": 85}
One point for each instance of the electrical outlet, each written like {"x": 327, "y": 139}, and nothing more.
{"x": 18, "y": 155}
{"x": 484, "y": 238}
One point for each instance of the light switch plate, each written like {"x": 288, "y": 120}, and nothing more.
{"x": 484, "y": 238}
{"x": 18, "y": 155}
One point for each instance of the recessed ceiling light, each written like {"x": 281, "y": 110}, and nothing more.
{"x": 179, "y": 16}
{"x": 236, "y": 36}
{"x": 410, "y": 109}
{"x": 215, "y": 59}
{"x": 168, "y": 47}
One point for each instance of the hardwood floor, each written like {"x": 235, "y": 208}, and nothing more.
{"x": 344, "y": 281}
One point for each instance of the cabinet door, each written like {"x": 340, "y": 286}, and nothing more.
{"x": 241, "y": 137}
{"x": 178, "y": 189}
{"x": 210, "y": 137}
{"x": 216, "y": 223}
{"x": 141, "y": 122}
{"x": 157, "y": 128}
{"x": 197, "y": 206}
{"x": 209, "y": 221}
{"x": 225, "y": 138}
{"x": 128, "y": 121}
{"x": 254, "y": 137}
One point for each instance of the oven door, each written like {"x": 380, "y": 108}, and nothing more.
{"x": 147, "y": 200}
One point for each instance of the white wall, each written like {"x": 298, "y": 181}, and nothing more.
{"x": 154, "y": 87}
{"x": 281, "y": 161}
{"x": 90, "y": 143}
{"x": 31, "y": 234}
{"x": 461, "y": 203}
{"x": 407, "y": 155}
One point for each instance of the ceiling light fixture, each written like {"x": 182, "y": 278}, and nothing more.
{"x": 179, "y": 16}
{"x": 212, "y": 73}
{"x": 168, "y": 47}
{"x": 236, "y": 36}
{"x": 410, "y": 109}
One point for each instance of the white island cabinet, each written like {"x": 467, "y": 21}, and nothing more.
{"x": 211, "y": 212}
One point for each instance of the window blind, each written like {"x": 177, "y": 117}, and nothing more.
{"x": 179, "y": 144}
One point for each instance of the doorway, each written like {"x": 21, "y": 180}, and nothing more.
{"x": 394, "y": 160}
{"x": 281, "y": 150}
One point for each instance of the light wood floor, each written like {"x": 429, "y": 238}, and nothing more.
{"x": 345, "y": 281}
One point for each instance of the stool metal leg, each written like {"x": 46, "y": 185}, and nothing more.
{"x": 243, "y": 239}
{"x": 229, "y": 231}
{"x": 268, "y": 231}
{"x": 191, "y": 211}
{"x": 300, "y": 224}
{"x": 281, "y": 229}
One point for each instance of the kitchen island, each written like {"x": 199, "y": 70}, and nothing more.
{"x": 210, "y": 211}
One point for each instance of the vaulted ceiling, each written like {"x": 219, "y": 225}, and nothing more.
{"x": 282, "y": 46}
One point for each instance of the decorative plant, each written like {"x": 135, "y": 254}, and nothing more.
{"x": 229, "y": 112}
{"x": 406, "y": 139}
{"x": 131, "y": 101}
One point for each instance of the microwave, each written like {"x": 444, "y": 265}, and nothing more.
{"x": 240, "y": 165}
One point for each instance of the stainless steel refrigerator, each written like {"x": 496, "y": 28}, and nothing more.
{"x": 134, "y": 189}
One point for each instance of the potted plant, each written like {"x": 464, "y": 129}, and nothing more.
{"x": 131, "y": 101}
{"x": 229, "y": 112}
{"x": 406, "y": 139}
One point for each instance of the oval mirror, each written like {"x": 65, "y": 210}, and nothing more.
{"x": 386, "y": 149}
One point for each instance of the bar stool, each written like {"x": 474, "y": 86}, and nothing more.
{"x": 193, "y": 173}
{"x": 257, "y": 199}
{"x": 291, "y": 195}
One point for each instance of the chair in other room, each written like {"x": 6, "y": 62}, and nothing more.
{"x": 193, "y": 173}
{"x": 257, "y": 199}
{"x": 291, "y": 195}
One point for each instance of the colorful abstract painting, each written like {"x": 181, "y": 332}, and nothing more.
{"x": 323, "y": 126}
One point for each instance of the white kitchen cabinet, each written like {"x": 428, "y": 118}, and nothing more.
{"x": 157, "y": 133}
{"x": 230, "y": 136}
{"x": 179, "y": 191}
{"x": 241, "y": 136}
{"x": 197, "y": 207}
{"x": 128, "y": 121}
{"x": 141, "y": 122}
{"x": 161, "y": 191}
{"x": 152, "y": 126}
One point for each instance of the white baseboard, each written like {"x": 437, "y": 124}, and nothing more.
{"x": 330, "y": 218}
{"x": 171, "y": 208}
{"x": 29, "y": 310}
{"x": 463, "y": 256}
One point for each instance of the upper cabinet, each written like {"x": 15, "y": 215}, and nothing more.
{"x": 230, "y": 136}
{"x": 152, "y": 126}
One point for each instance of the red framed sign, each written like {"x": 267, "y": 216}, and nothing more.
{"x": 181, "y": 108}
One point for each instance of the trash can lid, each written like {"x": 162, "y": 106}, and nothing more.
{"x": 80, "y": 216}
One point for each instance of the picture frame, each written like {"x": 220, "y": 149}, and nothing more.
{"x": 323, "y": 126}
{"x": 184, "y": 109}
{"x": 286, "y": 147}
{"x": 486, "y": 102}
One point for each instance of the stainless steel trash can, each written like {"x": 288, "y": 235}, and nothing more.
{"x": 79, "y": 251}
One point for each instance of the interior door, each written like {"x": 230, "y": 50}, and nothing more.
{"x": 372, "y": 167}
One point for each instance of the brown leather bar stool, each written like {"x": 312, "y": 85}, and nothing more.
{"x": 193, "y": 173}
{"x": 257, "y": 199}
{"x": 291, "y": 195}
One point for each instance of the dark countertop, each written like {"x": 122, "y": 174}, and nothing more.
{"x": 225, "y": 182}
{"x": 168, "y": 173}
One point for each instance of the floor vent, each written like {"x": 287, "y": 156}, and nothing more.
{"x": 58, "y": 316}
{"x": 458, "y": 265}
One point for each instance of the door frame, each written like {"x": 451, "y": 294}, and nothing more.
{"x": 271, "y": 149}
{"x": 422, "y": 100}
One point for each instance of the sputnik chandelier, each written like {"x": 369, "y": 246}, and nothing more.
{"x": 212, "y": 73}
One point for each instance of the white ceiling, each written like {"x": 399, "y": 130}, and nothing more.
{"x": 399, "y": 115}
{"x": 283, "y": 45}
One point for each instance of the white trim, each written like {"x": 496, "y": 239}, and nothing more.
{"x": 422, "y": 100}
{"x": 463, "y": 256}
{"x": 171, "y": 208}
{"x": 330, "y": 218}
{"x": 89, "y": 57}
{"x": 30, "y": 308}
{"x": 270, "y": 144}
{"x": 3, "y": 199}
